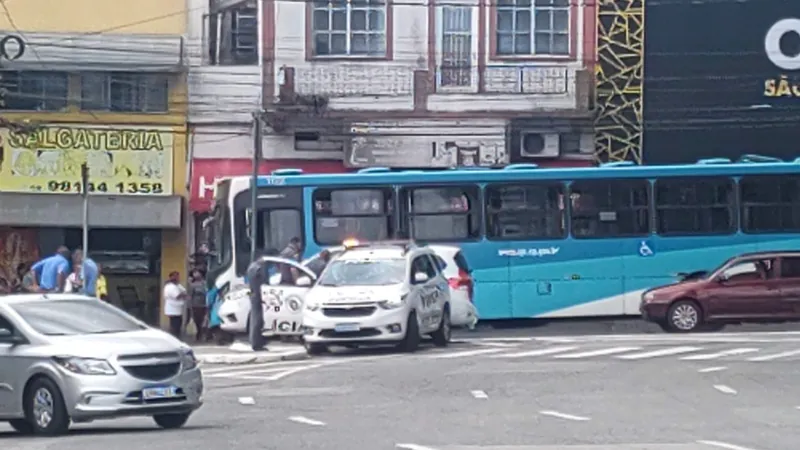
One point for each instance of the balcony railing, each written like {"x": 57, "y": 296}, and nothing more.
{"x": 503, "y": 79}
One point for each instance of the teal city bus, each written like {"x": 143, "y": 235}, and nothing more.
{"x": 541, "y": 243}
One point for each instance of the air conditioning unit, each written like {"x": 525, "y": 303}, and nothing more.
{"x": 535, "y": 144}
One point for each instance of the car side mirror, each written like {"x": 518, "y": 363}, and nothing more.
{"x": 420, "y": 277}
{"x": 303, "y": 282}
{"x": 9, "y": 337}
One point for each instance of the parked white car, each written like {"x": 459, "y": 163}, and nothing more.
{"x": 381, "y": 293}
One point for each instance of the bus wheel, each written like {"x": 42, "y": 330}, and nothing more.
{"x": 685, "y": 316}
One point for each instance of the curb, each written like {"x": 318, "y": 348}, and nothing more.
{"x": 236, "y": 359}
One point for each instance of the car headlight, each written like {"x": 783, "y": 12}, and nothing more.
{"x": 312, "y": 305}
{"x": 647, "y": 296}
{"x": 85, "y": 366}
{"x": 188, "y": 360}
{"x": 392, "y": 304}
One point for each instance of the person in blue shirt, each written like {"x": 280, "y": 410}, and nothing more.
{"x": 88, "y": 274}
{"x": 51, "y": 273}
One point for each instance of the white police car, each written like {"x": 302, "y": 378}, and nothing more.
{"x": 378, "y": 293}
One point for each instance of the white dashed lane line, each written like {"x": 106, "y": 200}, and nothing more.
{"x": 466, "y": 353}
{"x": 712, "y": 369}
{"x": 725, "y": 389}
{"x": 601, "y": 352}
{"x": 731, "y": 352}
{"x": 774, "y": 356}
{"x": 661, "y": 352}
{"x": 479, "y": 394}
{"x": 540, "y": 352}
{"x": 306, "y": 421}
{"x": 565, "y": 416}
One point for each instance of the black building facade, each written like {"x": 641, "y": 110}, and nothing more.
{"x": 693, "y": 79}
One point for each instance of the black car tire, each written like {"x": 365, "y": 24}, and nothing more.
{"x": 59, "y": 421}
{"x": 690, "y": 308}
{"x": 21, "y": 426}
{"x": 314, "y": 348}
{"x": 441, "y": 337}
{"x": 410, "y": 342}
{"x": 171, "y": 421}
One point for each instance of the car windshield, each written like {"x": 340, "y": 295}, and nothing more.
{"x": 75, "y": 317}
{"x": 376, "y": 272}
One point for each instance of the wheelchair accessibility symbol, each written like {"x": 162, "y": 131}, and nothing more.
{"x": 645, "y": 249}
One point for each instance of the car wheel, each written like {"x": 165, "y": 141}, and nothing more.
{"x": 45, "y": 411}
{"x": 21, "y": 426}
{"x": 410, "y": 342}
{"x": 441, "y": 337}
{"x": 314, "y": 348}
{"x": 171, "y": 421}
{"x": 684, "y": 316}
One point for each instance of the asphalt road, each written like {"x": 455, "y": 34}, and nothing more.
{"x": 735, "y": 391}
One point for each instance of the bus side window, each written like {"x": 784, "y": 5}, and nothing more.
{"x": 365, "y": 214}
{"x": 610, "y": 208}
{"x": 447, "y": 213}
{"x": 525, "y": 211}
{"x": 770, "y": 204}
{"x": 695, "y": 206}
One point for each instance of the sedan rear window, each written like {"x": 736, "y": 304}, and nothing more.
{"x": 75, "y": 317}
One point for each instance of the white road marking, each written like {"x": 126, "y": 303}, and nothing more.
{"x": 257, "y": 374}
{"x": 466, "y": 353}
{"x": 712, "y": 369}
{"x": 725, "y": 445}
{"x": 495, "y": 339}
{"x": 564, "y": 416}
{"x": 413, "y": 447}
{"x": 479, "y": 394}
{"x": 774, "y": 356}
{"x": 234, "y": 372}
{"x": 306, "y": 420}
{"x": 707, "y": 356}
{"x": 540, "y": 352}
{"x": 725, "y": 389}
{"x": 661, "y": 352}
{"x": 247, "y": 401}
{"x": 601, "y": 352}
{"x": 498, "y": 344}
{"x": 238, "y": 367}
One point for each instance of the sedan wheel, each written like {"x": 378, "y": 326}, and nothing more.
{"x": 685, "y": 316}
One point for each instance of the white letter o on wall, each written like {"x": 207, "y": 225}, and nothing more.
{"x": 772, "y": 44}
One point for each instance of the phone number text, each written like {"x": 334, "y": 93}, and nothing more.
{"x": 114, "y": 188}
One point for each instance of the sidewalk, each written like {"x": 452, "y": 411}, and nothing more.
{"x": 241, "y": 353}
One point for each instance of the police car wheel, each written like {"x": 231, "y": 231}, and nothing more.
{"x": 441, "y": 337}
{"x": 410, "y": 342}
{"x": 315, "y": 349}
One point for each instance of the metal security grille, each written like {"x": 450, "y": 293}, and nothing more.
{"x": 456, "y": 69}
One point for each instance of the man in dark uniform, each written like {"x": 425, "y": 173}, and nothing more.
{"x": 257, "y": 275}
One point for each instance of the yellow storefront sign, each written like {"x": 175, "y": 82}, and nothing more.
{"x": 121, "y": 161}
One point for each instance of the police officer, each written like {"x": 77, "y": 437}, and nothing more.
{"x": 257, "y": 275}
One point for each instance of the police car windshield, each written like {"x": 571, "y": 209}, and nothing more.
{"x": 359, "y": 272}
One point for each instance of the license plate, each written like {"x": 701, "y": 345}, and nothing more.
{"x": 159, "y": 392}
{"x": 344, "y": 327}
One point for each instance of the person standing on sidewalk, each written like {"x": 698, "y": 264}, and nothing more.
{"x": 198, "y": 312}
{"x": 51, "y": 273}
{"x": 174, "y": 303}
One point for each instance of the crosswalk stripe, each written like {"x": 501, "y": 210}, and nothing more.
{"x": 601, "y": 352}
{"x": 662, "y": 352}
{"x": 540, "y": 352}
{"x": 467, "y": 353}
{"x": 774, "y": 356}
{"x": 707, "y": 356}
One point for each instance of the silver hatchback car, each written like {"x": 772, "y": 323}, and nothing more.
{"x": 68, "y": 358}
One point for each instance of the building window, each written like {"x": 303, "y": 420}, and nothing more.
{"x": 610, "y": 208}
{"x": 34, "y": 91}
{"x": 529, "y": 211}
{"x": 441, "y": 214}
{"x": 456, "y": 66}
{"x": 770, "y": 204}
{"x": 364, "y": 214}
{"x": 533, "y": 27}
{"x": 124, "y": 92}
{"x": 349, "y": 28}
{"x": 233, "y": 36}
{"x": 695, "y": 206}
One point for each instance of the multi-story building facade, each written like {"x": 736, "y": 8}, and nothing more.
{"x": 418, "y": 84}
{"x": 101, "y": 83}
{"x": 226, "y": 77}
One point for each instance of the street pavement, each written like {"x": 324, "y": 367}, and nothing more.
{"x": 527, "y": 391}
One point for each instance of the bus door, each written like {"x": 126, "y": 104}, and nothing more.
{"x": 527, "y": 219}
{"x": 279, "y": 215}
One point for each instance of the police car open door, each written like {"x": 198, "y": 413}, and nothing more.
{"x": 284, "y": 296}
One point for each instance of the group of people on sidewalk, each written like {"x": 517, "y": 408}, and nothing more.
{"x": 64, "y": 271}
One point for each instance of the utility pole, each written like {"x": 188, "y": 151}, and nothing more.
{"x": 85, "y": 194}
{"x": 258, "y": 124}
